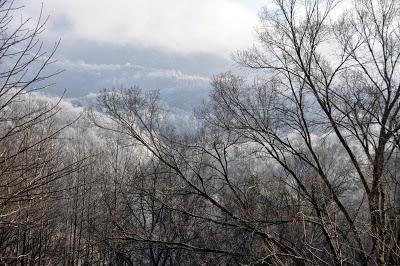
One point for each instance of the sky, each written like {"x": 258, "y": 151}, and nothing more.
{"x": 174, "y": 46}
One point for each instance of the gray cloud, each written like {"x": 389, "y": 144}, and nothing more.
{"x": 81, "y": 79}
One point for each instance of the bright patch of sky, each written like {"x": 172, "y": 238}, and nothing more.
{"x": 179, "y": 26}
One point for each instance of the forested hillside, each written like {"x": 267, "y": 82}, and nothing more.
{"x": 295, "y": 163}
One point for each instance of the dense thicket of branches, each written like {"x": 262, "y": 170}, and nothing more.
{"x": 29, "y": 161}
{"x": 297, "y": 166}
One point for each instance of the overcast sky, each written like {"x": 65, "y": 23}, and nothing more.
{"x": 162, "y": 44}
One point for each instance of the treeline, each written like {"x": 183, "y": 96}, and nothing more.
{"x": 297, "y": 166}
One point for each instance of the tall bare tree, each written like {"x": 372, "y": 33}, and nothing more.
{"x": 335, "y": 77}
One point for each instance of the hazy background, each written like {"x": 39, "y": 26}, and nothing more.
{"x": 174, "y": 46}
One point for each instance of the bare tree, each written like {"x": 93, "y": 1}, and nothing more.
{"x": 335, "y": 79}
{"x": 200, "y": 162}
{"x": 322, "y": 120}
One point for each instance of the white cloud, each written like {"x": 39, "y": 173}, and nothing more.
{"x": 133, "y": 71}
{"x": 176, "y": 75}
{"x": 184, "y": 26}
